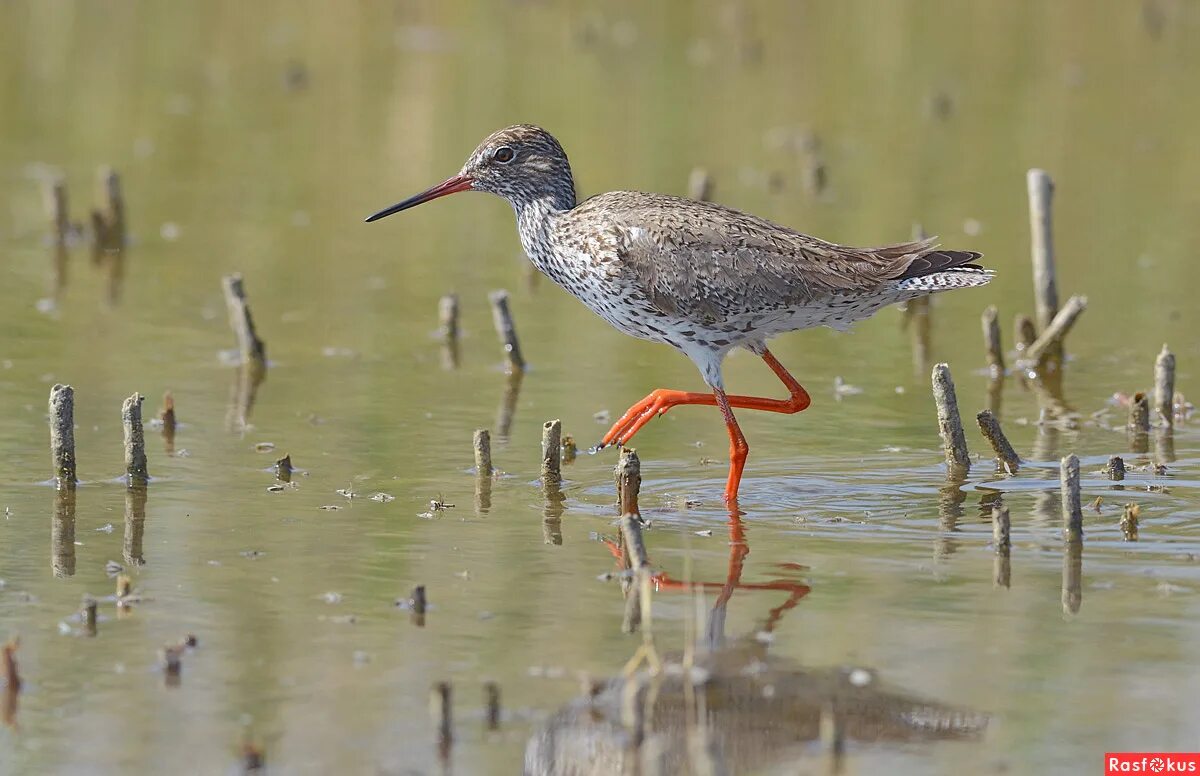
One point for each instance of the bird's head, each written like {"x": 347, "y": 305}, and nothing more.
{"x": 521, "y": 163}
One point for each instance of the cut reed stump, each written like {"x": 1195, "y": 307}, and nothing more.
{"x": 989, "y": 426}
{"x": 628, "y": 477}
{"x": 1139, "y": 414}
{"x": 954, "y": 441}
{"x": 1129, "y": 522}
{"x": 1164, "y": 387}
{"x": 1115, "y": 469}
{"x": 62, "y": 435}
{"x": 552, "y": 452}
{"x": 1045, "y": 283}
{"x": 167, "y": 416}
{"x": 482, "y": 443}
{"x": 136, "y": 473}
{"x": 1049, "y": 342}
{"x": 1072, "y": 503}
{"x": 250, "y": 347}
{"x": 87, "y": 615}
{"x": 507, "y": 331}
{"x": 991, "y": 341}
{"x": 700, "y": 185}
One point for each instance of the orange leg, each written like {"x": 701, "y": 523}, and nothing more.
{"x": 663, "y": 399}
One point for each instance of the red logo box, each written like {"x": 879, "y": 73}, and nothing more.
{"x": 1151, "y": 762}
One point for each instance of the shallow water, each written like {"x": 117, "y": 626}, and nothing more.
{"x": 256, "y": 139}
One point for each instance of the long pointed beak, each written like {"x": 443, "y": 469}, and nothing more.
{"x": 449, "y": 186}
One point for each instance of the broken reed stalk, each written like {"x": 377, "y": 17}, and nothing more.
{"x": 628, "y": 476}
{"x": 284, "y": 469}
{"x": 989, "y": 426}
{"x": 250, "y": 347}
{"x": 1115, "y": 469}
{"x": 108, "y": 184}
{"x": 700, "y": 185}
{"x": 448, "y": 317}
{"x": 954, "y": 441}
{"x": 569, "y": 449}
{"x": 502, "y": 319}
{"x": 1051, "y": 339}
{"x": 57, "y": 210}
{"x": 442, "y": 713}
{"x": 62, "y": 435}
{"x": 1139, "y": 414}
{"x": 1164, "y": 387}
{"x": 1072, "y": 503}
{"x": 552, "y": 452}
{"x": 1001, "y": 530}
{"x": 482, "y": 442}
{"x": 1024, "y": 332}
{"x": 491, "y": 703}
{"x": 1129, "y": 522}
{"x": 1045, "y": 284}
{"x": 991, "y": 341}
{"x": 135, "y": 442}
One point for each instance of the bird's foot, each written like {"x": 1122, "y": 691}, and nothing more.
{"x": 656, "y": 403}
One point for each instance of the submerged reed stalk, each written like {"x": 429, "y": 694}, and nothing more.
{"x": 448, "y": 317}
{"x": 552, "y": 452}
{"x": 55, "y": 197}
{"x": 628, "y": 476}
{"x": 250, "y": 347}
{"x": 1045, "y": 283}
{"x": 1050, "y": 342}
{"x": 482, "y": 442}
{"x": 954, "y": 441}
{"x": 1001, "y": 530}
{"x": 1072, "y": 503}
{"x": 135, "y": 442}
{"x": 1164, "y": 387}
{"x": 507, "y": 331}
{"x": 989, "y": 426}
{"x": 700, "y": 185}
{"x": 491, "y": 704}
{"x": 991, "y": 341}
{"x": 62, "y": 435}
{"x": 442, "y": 714}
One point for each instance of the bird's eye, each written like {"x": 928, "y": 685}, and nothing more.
{"x": 504, "y": 154}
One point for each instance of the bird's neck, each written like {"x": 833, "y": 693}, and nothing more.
{"x": 535, "y": 222}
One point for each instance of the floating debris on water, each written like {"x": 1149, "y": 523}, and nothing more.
{"x": 383, "y": 498}
{"x": 331, "y": 597}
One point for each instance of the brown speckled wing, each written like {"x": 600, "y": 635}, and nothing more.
{"x": 710, "y": 263}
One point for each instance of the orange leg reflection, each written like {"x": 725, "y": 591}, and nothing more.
{"x": 738, "y": 550}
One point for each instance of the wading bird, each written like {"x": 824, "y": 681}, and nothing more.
{"x": 697, "y": 276}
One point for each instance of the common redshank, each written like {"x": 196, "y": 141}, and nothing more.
{"x": 697, "y": 276}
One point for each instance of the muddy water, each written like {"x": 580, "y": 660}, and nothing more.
{"x": 255, "y": 139}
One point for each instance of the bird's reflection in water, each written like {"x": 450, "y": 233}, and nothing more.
{"x": 733, "y": 707}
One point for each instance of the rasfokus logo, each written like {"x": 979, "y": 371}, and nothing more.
{"x": 1151, "y": 762}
